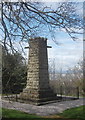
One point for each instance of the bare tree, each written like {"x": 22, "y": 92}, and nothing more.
{"x": 23, "y": 20}
{"x": 74, "y": 77}
{"x": 69, "y": 82}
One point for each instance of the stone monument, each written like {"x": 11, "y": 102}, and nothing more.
{"x": 37, "y": 90}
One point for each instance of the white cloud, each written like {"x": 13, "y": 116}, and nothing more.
{"x": 67, "y": 55}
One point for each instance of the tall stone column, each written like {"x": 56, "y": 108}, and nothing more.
{"x": 37, "y": 89}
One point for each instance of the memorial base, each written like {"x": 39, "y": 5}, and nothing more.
{"x": 37, "y": 97}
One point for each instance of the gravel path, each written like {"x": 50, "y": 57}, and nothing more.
{"x": 44, "y": 110}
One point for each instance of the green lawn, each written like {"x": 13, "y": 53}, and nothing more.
{"x": 74, "y": 113}
{"x": 78, "y": 113}
{"x": 8, "y": 113}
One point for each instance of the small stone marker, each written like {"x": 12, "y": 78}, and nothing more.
{"x": 37, "y": 89}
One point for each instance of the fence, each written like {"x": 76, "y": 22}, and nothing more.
{"x": 67, "y": 91}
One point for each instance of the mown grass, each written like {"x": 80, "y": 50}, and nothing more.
{"x": 77, "y": 113}
{"x": 9, "y": 113}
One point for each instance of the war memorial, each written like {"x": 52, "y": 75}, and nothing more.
{"x": 37, "y": 90}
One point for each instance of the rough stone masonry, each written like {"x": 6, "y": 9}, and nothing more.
{"x": 37, "y": 89}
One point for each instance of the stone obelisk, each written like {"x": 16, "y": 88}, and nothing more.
{"x": 37, "y": 89}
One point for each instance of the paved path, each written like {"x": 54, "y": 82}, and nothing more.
{"x": 44, "y": 110}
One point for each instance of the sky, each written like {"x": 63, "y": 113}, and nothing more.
{"x": 46, "y": 0}
{"x": 61, "y": 0}
{"x": 43, "y": 0}
{"x": 67, "y": 53}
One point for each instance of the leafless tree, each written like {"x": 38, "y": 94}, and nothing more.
{"x": 23, "y": 20}
{"x": 70, "y": 80}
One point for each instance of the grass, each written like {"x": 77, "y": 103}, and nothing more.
{"x": 9, "y": 113}
{"x": 77, "y": 113}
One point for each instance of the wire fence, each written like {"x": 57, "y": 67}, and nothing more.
{"x": 67, "y": 91}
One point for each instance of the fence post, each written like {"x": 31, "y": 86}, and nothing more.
{"x": 16, "y": 97}
{"x": 77, "y": 92}
{"x": 61, "y": 91}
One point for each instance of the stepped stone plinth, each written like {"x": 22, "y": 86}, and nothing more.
{"x": 37, "y": 89}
